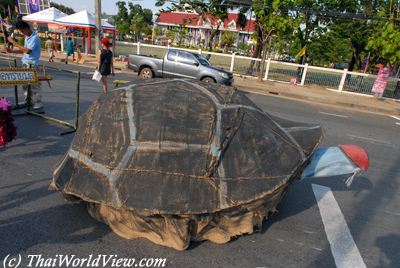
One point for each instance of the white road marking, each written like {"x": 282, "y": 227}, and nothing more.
{"x": 343, "y": 248}
{"x": 395, "y": 117}
{"x": 368, "y": 139}
{"x": 398, "y": 123}
{"x": 337, "y": 115}
{"x": 391, "y": 212}
{"x": 319, "y": 249}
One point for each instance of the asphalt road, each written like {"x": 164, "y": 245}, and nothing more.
{"x": 34, "y": 220}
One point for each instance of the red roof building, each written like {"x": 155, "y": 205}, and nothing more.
{"x": 194, "y": 20}
{"x": 199, "y": 26}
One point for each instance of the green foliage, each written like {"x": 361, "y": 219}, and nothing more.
{"x": 133, "y": 20}
{"x": 122, "y": 19}
{"x": 228, "y": 39}
{"x": 328, "y": 28}
{"x": 273, "y": 18}
{"x": 386, "y": 43}
{"x": 141, "y": 19}
{"x": 171, "y": 34}
{"x": 330, "y": 49}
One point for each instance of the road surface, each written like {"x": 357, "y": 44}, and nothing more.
{"x": 34, "y": 220}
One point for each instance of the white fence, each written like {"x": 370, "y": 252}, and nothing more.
{"x": 339, "y": 80}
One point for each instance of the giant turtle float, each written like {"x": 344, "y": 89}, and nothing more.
{"x": 176, "y": 161}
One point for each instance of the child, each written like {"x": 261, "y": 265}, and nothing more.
{"x": 49, "y": 45}
{"x": 79, "y": 60}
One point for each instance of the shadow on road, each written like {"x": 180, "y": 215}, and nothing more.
{"x": 63, "y": 224}
{"x": 369, "y": 209}
{"x": 390, "y": 245}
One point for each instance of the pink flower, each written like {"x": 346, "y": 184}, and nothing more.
{"x": 4, "y": 104}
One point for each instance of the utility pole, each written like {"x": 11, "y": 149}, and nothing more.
{"x": 97, "y": 5}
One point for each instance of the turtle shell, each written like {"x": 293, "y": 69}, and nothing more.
{"x": 181, "y": 147}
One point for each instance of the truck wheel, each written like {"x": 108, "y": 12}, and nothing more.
{"x": 208, "y": 80}
{"x": 146, "y": 73}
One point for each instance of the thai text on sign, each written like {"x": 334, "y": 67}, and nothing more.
{"x": 17, "y": 76}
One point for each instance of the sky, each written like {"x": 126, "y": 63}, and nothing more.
{"x": 107, "y": 6}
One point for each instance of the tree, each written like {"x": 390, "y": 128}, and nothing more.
{"x": 329, "y": 49}
{"x": 228, "y": 39}
{"x": 385, "y": 43}
{"x": 141, "y": 20}
{"x": 135, "y": 21}
{"x": 272, "y": 18}
{"x": 216, "y": 9}
{"x": 122, "y": 19}
{"x": 171, "y": 34}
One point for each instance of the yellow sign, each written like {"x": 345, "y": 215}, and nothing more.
{"x": 18, "y": 76}
{"x": 302, "y": 52}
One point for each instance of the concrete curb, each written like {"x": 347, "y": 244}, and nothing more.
{"x": 299, "y": 97}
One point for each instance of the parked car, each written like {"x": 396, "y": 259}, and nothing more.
{"x": 287, "y": 58}
{"x": 179, "y": 63}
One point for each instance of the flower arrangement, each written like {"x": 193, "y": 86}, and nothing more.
{"x": 8, "y": 131}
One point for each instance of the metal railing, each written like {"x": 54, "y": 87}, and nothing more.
{"x": 303, "y": 74}
{"x": 12, "y": 62}
{"x": 73, "y": 126}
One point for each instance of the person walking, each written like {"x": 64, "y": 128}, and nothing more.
{"x": 49, "y": 45}
{"x": 381, "y": 80}
{"x": 69, "y": 50}
{"x": 105, "y": 64}
{"x": 30, "y": 59}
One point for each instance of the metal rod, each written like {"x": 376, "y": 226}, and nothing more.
{"x": 29, "y": 99}
{"x": 61, "y": 70}
{"x": 16, "y": 87}
{"x": 51, "y": 119}
{"x": 78, "y": 86}
{"x": 67, "y": 132}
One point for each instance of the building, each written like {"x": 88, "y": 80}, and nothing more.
{"x": 32, "y": 6}
{"x": 197, "y": 28}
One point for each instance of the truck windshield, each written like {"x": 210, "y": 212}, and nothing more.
{"x": 202, "y": 60}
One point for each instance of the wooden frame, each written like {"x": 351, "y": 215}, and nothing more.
{"x": 15, "y": 82}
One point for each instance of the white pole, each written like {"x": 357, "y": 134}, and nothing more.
{"x": 62, "y": 42}
{"x": 303, "y": 77}
{"x": 267, "y": 69}
{"x": 232, "y": 61}
{"x": 138, "y": 48}
{"x": 344, "y": 75}
{"x": 86, "y": 45}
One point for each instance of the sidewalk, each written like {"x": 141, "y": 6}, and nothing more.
{"x": 320, "y": 95}
{"x": 313, "y": 94}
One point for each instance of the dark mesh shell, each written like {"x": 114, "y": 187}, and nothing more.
{"x": 182, "y": 147}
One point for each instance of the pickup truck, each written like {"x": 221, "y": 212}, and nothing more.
{"x": 179, "y": 63}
